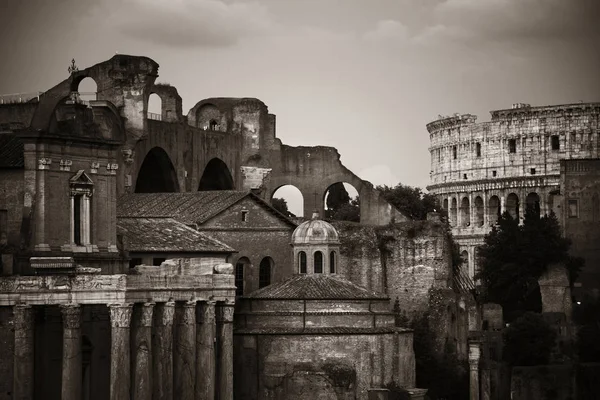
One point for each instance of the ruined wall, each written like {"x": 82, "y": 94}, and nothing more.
{"x": 479, "y": 169}
{"x": 11, "y": 201}
{"x": 580, "y": 216}
{"x": 403, "y": 260}
{"x": 261, "y": 235}
{"x": 305, "y": 367}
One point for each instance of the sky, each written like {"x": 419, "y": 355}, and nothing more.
{"x": 364, "y": 76}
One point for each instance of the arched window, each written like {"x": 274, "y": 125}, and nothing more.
{"x": 332, "y": 262}
{"x": 302, "y": 262}
{"x": 239, "y": 279}
{"x": 213, "y": 126}
{"x": 264, "y": 272}
{"x": 318, "y": 262}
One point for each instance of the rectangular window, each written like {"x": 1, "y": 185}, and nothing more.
{"x": 555, "y": 142}
{"x": 494, "y": 173}
{"x": 573, "y": 208}
{"x": 77, "y": 219}
{"x": 244, "y": 215}
{"x": 512, "y": 145}
{"x": 454, "y": 152}
{"x": 464, "y": 176}
{"x": 478, "y": 150}
{"x": 134, "y": 262}
{"x": 157, "y": 261}
{"x": 532, "y": 170}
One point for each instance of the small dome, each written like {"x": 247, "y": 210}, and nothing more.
{"x": 315, "y": 231}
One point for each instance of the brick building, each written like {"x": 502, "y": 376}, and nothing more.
{"x": 479, "y": 170}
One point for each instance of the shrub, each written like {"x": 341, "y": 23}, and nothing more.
{"x": 528, "y": 340}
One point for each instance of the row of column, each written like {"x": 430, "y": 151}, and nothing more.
{"x": 172, "y": 366}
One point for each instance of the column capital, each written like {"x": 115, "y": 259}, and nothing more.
{"x": 146, "y": 314}
{"x": 188, "y": 314}
{"x": 205, "y": 312}
{"x": 71, "y": 314}
{"x": 24, "y": 317}
{"x": 120, "y": 315}
{"x": 225, "y": 313}
{"x": 166, "y": 313}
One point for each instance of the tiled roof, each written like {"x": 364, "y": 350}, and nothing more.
{"x": 188, "y": 207}
{"x": 320, "y": 331}
{"x": 166, "y": 235}
{"x": 11, "y": 151}
{"x": 315, "y": 287}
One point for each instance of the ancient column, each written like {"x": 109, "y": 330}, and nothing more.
{"x": 224, "y": 314}
{"x": 71, "y": 362}
{"x": 184, "y": 354}
{"x": 205, "y": 351}
{"x": 23, "y": 357}
{"x": 162, "y": 346}
{"x": 474, "y": 354}
{"x": 120, "y": 318}
{"x": 142, "y": 352}
{"x": 502, "y": 204}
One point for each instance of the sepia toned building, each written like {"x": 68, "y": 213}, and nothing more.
{"x": 480, "y": 170}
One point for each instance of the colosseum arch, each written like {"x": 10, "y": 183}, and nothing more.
{"x": 493, "y": 210}
{"x": 465, "y": 212}
{"x": 478, "y": 218}
{"x": 532, "y": 202}
{"x": 512, "y": 205}
{"x": 216, "y": 176}
{"x": 157, "y": 174}
{"x": 453, "y": 212}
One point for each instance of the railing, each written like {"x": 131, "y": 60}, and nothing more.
{"x": 154, "y": 116}
{"x": 16, "y": 98}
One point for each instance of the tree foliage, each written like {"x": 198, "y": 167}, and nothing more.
{"x": 515, "y": 256}
{"x": 282, "y": 206}
{"x": 528, "y": 340}
{"x": 340, "y": 206}
{"x": 410, "y": 200}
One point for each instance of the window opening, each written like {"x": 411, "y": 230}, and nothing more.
{"x": 318, "y": 262}
{"x": 478, "y": 150}
{"x": 573, "y": 209}
{"x": 135, "y": 262}
{"x": 512, "y": 145}
{"x": 157, "y": 261}
{"x": 555, "y": 142}
{"x": 244, "y": 215}
{"x": 493, "y": 173}
{"x": 332, "y": 262}
{"x": 302, "y": 262}
{"x": 532, "y": 170}
{"x": 454, "y": 152}
{"x": 264, "y": 273}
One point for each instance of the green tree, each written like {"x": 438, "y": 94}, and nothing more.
{"x": 282, "y": 206}
{"x": 528, "y": 340}
{"x": 515, "y": 256}
{"x": 410, "y": 200}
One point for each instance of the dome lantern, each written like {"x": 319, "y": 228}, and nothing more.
{"x": 316, "y": 247}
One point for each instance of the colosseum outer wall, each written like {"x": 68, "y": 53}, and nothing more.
{"x": 479, "y": 170}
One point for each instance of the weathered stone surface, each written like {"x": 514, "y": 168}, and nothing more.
{"x": 71, "y": 360}
{"x": 226, "y": 269}
{"x": 120, "y": 365}
{"x": 205, "y": 351}
{"x": 162, "y": 346}
{"x": 184, "y": 352}
{"x": 141, "y": 349}
{"x": 224, "y": 317}
{"x": 23, "y": 359}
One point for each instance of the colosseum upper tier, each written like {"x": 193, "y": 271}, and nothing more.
{"x": 479, "y": 170}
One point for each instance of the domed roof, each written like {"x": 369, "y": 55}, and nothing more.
{"x": 315, "y": 231}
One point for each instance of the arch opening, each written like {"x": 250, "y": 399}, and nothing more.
{"x": 479, "y": 212}
{"x": 264, "y": 272}
{"x": 302, "y": 262}
{"x": 87, "y": 90}
{"x": 318, "y": 260}
{"x": 512, "y": 205}
{"x": 465, "y": 212}
{"x": 154, "y": 107}
{"x": 241, "y": 266}
{"x": 342, "y": 202}
{"x": 532, "y": 202}
{"x": 216, "y": 176}
{"x": 494, "y": 210}
{"x": 157, "y": 174}
{"x": 288, "y": 200}
{"x": 453, "y": 211}
{"x": 208, "y": 117}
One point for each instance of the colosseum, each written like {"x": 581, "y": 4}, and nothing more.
{"x": 480, "y": 170}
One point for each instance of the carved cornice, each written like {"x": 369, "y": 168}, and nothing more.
{"x": 24, "y": 317}
{"x": 120, "y": 315}
{"x": 71, "y": 314}
{"x": 205, "y": 313}
{"x": 495, "y": 184}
